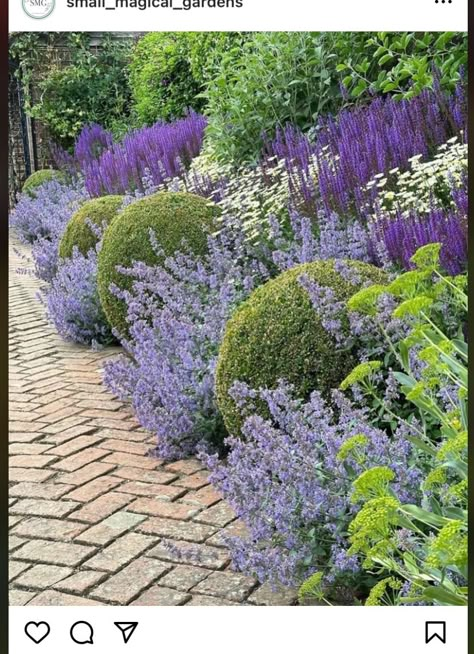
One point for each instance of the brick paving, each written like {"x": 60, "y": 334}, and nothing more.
{"x": 93, "y": 519}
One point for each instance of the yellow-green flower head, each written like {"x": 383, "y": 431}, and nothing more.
{"x": 429, "y": 354}
{"x": 378, "y": 591}
{"x": 458, "y": 492}
{"x": 372, "y": 523}
{"x": 449, "y": 547}
{"x": 406, "y": 283}
{"x": 413, "y": 307}
{"x": 311, "y": 588}
{"x": 436, "y": 477}
{"x": 372, "y": 483}
{"x": 352, "y": 445}
{"x": 359, "y": 373}
{"x": 427, "y": 257}
{"x": 460, "y": 281}
{"x": 453, "y": 447}
{"x": 416, "y": 392}
{"x": 365, "y": 300}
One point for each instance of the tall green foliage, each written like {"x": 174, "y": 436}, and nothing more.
{"x": 93, "y": 87}
{"x": 401, "y": 63}
{"x": 421, "y": 545}
{"x": 279, "y": 77}
{"x": 170, "y": 70}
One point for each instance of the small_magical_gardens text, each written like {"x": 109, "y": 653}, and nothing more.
{"x": 185, "y": 5}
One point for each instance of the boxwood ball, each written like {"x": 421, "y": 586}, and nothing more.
{"x": 174, "y": 217}
{"x": 277, "y": 334}
{"x": 78, "y": 232}
{"x": 40, "y": 177}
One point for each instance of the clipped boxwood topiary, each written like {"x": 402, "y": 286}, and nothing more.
{"x": 173, "y": 217}
{"x": 40, "y": 177}
{"x": 276, "y": 334}
{"x": 78, "y": 231}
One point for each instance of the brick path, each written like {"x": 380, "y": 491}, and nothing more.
{"x": 91, "y": 516}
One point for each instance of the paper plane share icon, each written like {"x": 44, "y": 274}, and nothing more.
{"x": 127, "y": 629}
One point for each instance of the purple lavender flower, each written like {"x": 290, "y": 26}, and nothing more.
{"x": 286, "y": 482}
{"x": 177, "y": 313}
{"x": 72, "y": 301}
{"x": 41, "y": 221}
{"x": 90, "y": 144}
{"x": 162, "y": 151}
{"x": 403, "y": 235}
{"x": 335, "y": 238}
{"x": 50, "y": 209}
{"x": 361, "y": 142}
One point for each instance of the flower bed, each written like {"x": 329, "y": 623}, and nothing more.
{"x": 297, "y": 323}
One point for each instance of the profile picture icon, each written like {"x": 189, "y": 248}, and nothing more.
{"x": 38, "y": 8}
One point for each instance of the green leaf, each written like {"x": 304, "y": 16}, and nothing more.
{"x": 359, "y": 89}
{"x": 404, "y": 379}
{"x": 385, "y": 59}
{"x": 444, "y": 596}
{"x": 426, "y": 517}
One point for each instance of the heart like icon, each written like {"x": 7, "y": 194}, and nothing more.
{"x": 37, "y": 631}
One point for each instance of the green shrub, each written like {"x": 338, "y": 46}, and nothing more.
{"x": 400, "y": 63}
{"x": 207, "y": 50}
{"x": 38, "y": 178}
{"x": 170, "y": 70}
{"x": 162, "y": 84}
{"x": 93, "y": 88}
{"x": 276, "y": 334}
{"x": 425, "y": 300}
{"x": 173, "y": 217}
{"x": 78, "y": 231}
{"x": 279, "y": 77}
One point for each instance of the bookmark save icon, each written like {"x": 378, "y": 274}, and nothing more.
{"x": 127, "y": 629}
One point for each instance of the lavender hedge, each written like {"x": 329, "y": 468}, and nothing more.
{"x": 161, "y": 151}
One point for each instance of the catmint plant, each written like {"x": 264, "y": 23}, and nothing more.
{"x": 72, "y": 301}
{"x": 289, "y": 479}
{"x": 177, "y": 313}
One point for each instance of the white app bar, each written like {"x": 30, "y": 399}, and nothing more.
{"x": 254, "y": 15}
{"x": 238, "y": 630}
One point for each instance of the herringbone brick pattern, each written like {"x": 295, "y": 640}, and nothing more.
{"x": 94, "y": 520}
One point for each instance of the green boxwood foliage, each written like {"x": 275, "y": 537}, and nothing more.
{"x": 173, "y": 217}
{"x": 78, "y": 231}
{"x": 38, "y": 178}
{"x": 276, "y": 334}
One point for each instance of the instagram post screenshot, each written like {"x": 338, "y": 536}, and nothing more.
{"x": 237, "y": 237}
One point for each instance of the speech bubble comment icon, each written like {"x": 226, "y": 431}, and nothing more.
{"x": 82, "y": 633}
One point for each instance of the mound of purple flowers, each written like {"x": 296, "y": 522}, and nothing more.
{"x": 177, "y": 313}
{"x": 48, "y": 212}
{"x": 41, "y": 221}
{"x": 402, "y": 235}
{"x": 286, "y": 482}
{"x": 72, "y": 301}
